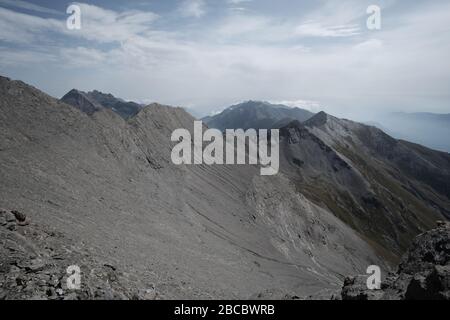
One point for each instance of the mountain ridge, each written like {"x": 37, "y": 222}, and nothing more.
{"x": 93, "y": 101}
{"x": 256, "y": 115}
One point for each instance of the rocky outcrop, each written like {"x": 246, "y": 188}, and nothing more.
{"x": 81, "y": 101}
{"x": 94, "y": 101}
{"x": 423, "y": 274}
{"x": 34, "y": 262}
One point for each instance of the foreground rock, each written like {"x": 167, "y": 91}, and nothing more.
{"x": 34, "y": 262}
{"x": 423, "y": 274}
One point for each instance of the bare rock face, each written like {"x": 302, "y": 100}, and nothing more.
{"x": 81, "y": 101}
{"x": 92, "y": 102}
{"x": 355, "y": 288}
{"x": 423, "y": 274}
{"x": 426, "y": 266}
{"x": 34, "y": 262}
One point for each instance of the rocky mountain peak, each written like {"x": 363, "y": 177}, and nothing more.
{"x": 74, "y": 92}
{"x": 294, "y": 124}
{"x": 81, "y": 101}
{"x": 317, "y": 120}
{"x": 95, "y": 100}
{"x": 257, "y": 115}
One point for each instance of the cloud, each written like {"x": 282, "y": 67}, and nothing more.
{"x": 29, "y": 6}
{"x": 337, "y": 13}
{"x": 316, "y": 29}
{"x": 241, "y": 24}
{"x": 238, "y": 5}
{"x": 313, "y": 106}
{"x": 82, "y": 57}
{"x": 107, "y": 26}
{"x": 238, "y": 1}
{"x": 23, "y": 28}
{"x": 25, "y": 58}
{"x": 239, "y": 56}
{"x": 98, "y": 25}
{"x": 192, "y": 8}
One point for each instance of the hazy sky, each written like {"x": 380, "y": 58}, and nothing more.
{"x": 206, "y": 54}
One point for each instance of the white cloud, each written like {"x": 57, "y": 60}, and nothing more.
{"x": 193, "y": 8}
{"x": 25, "y": 58}
{"x": 313, "y": 106}
{"x": 238, "y": 1}
{"x": 23, "y": 28}
{"x": 337, "y": 13}
{"x": 99, "y": 25}
{"x": 316, "y": 29}
{"x": 242, "y": 24}
{"x": 29, "y": 6}
{"x": 240, "y": 57}
{"x": 238, "y": 5}
{"x": 369, "y": 46}
{"x": 106, "y": 26}
{"x": 82, "y": 57}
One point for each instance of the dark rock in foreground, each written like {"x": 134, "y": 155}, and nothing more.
{"x": 423, "y": 274}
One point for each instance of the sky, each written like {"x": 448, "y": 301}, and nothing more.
{"x": 206, "y": 55}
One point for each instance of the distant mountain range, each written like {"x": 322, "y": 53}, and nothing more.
{"x": 429, "y": 129}
{"x": 100, "y": 184}
{"x": 91, "y": 102}
{"x": 257, "y": 115}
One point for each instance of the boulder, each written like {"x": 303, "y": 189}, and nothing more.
{"x": 423, "y": 274}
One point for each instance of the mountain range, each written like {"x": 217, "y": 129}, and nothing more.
{"x": 94, "y": 101}
{"x": 429, "y": 129}
{"x": 347, "y": 196}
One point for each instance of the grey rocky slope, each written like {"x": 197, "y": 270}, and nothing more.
{"x": 388, "y": 190}
{"x": 190, "y": 231}
{"x": 90, "y": 102}
{"x": 256, "y": 115}
{"x": 423, "y": 274}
